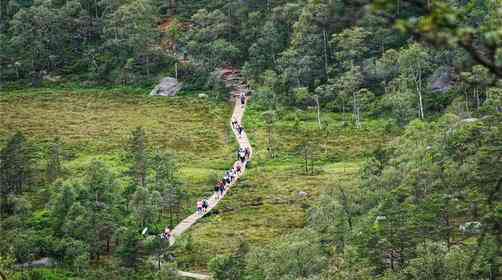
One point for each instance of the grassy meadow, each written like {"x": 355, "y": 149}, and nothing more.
{"x": 266, "y": 204}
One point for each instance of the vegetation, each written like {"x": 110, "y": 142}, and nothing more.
{"x": 376, "y": 128}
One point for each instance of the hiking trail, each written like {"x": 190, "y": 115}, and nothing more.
{"x": 234, "y": 81}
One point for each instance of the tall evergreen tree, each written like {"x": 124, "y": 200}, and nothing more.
{"x": 16, "y": 169}
{"x": 137, "y": 154}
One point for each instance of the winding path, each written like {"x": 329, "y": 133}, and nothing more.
{"x": 232, "y": 80}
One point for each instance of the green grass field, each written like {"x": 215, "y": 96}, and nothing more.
{"x": 263, "y": 206}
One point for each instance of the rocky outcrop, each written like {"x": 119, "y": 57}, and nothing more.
{"x": 233, "y": 80}
{"x": 167, "y": 87}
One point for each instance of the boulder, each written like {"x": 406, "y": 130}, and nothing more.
{"x": 442, "y": 79}
{"x": 167, "y": 87}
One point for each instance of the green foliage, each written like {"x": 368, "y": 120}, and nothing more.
{"x": 16, "y": 170}
{"x": 129, "y": 250}
{"x": 109, "y": 41}
{"x": 229, "y": 267}
{"x": 425, "y": 206}
{"x": 295, "y": 256}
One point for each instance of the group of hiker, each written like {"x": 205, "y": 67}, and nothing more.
{"x": 202, "y": 206}
{"x": 221, "y": 186}
{"x": 243, "y": 154}
{"x": 231, "y": 175}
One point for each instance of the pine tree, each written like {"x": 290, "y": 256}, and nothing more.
{"x": 15, "y": 169}
{"x": 137, "y": 154}
{"x": 54, "y": 168}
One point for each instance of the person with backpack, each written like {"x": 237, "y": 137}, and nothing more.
{"x": 205, "y": 205}
{"x": 242, "y": 156}
{"x": 167, "y": 234}
{"x": 240, "y": 130}
{"x": 199, "y": 207}
{"x": 222, "y": 188}
{"x": 243, "y": 99}
{"x": 232, "y": 174}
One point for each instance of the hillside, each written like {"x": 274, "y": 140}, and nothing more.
{"x": 373, "y": 131}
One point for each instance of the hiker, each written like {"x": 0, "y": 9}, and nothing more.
{"x": 167, "y": 234}
{"x": 242, "y": 156}
{"x": 243, "y": 99}
{"x": 247, "y": 152}
{"x": 217, "y": 189}
{"x": 235, "y": 124}
{"x": 222, "y": 188}
{"x": 240, "y": 129}
{"x": 233, "y": 174}
{"x": 238, "y": 168}
{"x": 199, "y": 207}
{"x": 205, "y": 205}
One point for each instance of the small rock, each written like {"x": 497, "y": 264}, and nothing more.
{"x": 302, "y": 194}
{"x": 203, "y": 95}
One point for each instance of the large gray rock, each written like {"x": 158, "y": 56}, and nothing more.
{"x": 167, "y": 87}
{"x": 442, "y": 79}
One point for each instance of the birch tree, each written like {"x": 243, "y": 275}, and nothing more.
{"x": 414, "y": 65}
{"x": 348, "y": 85}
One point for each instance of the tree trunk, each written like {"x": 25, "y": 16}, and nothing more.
{"x": 478, "y": 101}
{"x": 316, "y": 98}
{"x": 324, "y": 33}
{"x": 173, "y": 7}
{"x": 419, "y": 92}
{"x": 147, "y": 67}
{"x": 305, "y": 156}
{"x": 466, "y": 97}
{"x": 356, "y": 109}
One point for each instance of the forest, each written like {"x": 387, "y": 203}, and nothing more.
{"x": 376, "y": 128}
